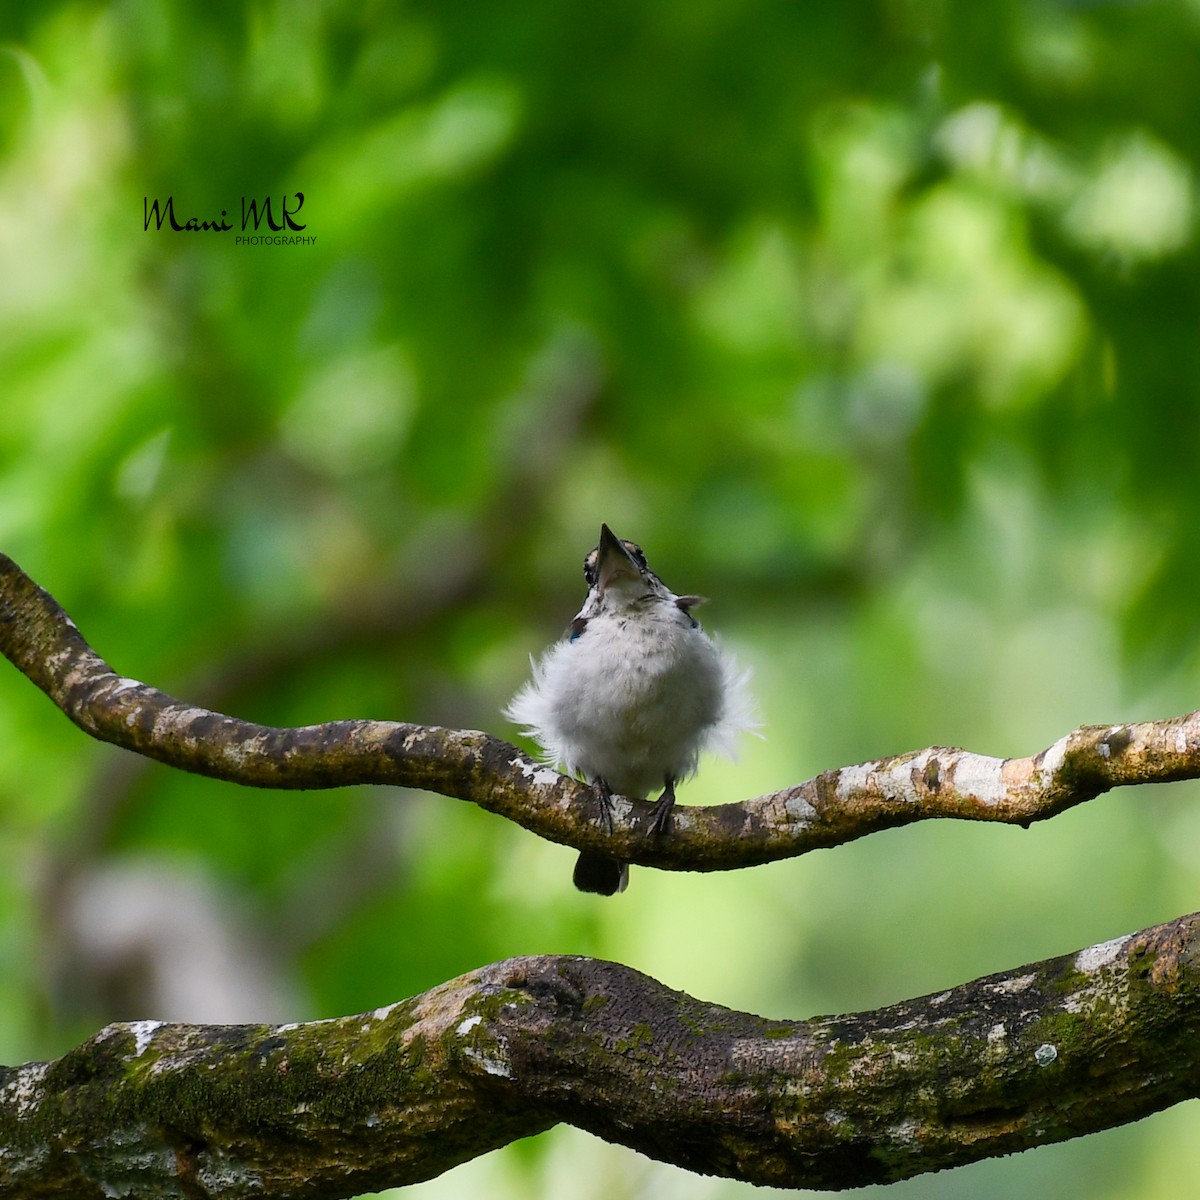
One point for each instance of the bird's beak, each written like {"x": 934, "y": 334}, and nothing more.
{"x": 613, "y": 560}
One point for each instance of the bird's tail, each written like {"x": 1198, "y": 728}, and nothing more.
{"x": 600, "y": 874}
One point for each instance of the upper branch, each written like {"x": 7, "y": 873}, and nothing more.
{"x": 834, "y": 807}
{"x": 332, "y": 1108}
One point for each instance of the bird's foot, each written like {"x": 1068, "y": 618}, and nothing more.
{"x": 603, "y": 794}
{"x": 660, "y": 814}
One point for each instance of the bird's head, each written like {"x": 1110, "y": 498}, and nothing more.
{"x": 616, "y": 564}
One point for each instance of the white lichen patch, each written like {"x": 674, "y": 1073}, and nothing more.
{"x": 124, "y": 684}
{"x": 137, "y": 1163}
{"x": 25, "y": 1088}
{"x": 431, "y": 1016}
{"x": 254, "y": 747}
{"x": 1181, "y": 740}
{"x": 997, "y": 1033}
{"x": 1045, "y": 1054}
{"x": 142, "y": 1032}
{"x": 1010, "y": 987}
{"x": 181, "y": 719}
{"x": 223, "y": 1174}
{"x": 1052, "y": 760}
{"x": 981, "y": 778}
{"x": 59, "y": 659}
{"x": 381, "y": 1014}
{"x": 1095, "y": 957}
{"x": 897, "y": 780}
{"x": 852, "y": 780}
{"x": 291, "y": 1026}
{"x": 237, "y": 754}
{"x": 623, "y": 811}
{"x": 798, "y": 810}
{"x": 907, "y": 1026}
{"x": 493, "y": 1066}
{"x": 465, "y": 1026}
{"x": 537, "y": 773}
{"x": 920, "y": 764}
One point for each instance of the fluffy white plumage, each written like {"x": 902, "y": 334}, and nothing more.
{"x": 637, "y": 689}
{"x": 634, "y": 699}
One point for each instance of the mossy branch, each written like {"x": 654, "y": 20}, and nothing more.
{"x": 830, "y": 809}
{"x": 333, "y": 1108}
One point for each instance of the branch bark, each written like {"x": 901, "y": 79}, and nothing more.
{"x": 333, "y": 1108}
{"x": 835, "y": 807}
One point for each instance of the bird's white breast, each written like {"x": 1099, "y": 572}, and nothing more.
{"x": 632, "y": 699}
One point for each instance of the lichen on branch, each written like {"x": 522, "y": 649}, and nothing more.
{"x": 332, "y": 1108}
{"x": 835, "y": 807}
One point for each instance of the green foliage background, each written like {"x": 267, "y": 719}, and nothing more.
{"x": 876, "y": 323}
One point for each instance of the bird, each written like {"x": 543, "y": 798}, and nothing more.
{"x": 630, "y": 696}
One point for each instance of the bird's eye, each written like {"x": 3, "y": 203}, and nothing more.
{"x": 589, "y": 567}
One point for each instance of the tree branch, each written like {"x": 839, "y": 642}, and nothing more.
{"x": 332, "y": 1108}
{"x": 835, "y": 807}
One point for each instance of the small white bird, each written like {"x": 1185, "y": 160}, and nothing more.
{"x": 631, "y": 695}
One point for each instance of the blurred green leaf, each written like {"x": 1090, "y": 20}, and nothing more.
{"x": 875, "y": 324}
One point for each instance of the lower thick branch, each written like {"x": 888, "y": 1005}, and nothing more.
{"x": 331, "y": 1108}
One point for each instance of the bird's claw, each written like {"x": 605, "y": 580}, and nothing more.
{"x": 604, "y": 802}
{"x": 660, "y": 814}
